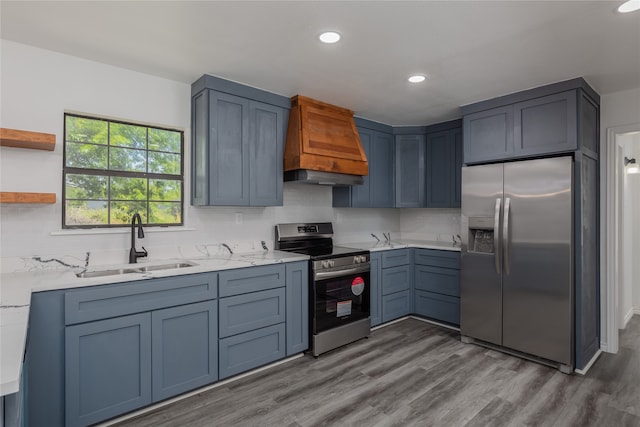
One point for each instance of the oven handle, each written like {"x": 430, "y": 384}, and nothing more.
{"x": 321, "y": 275}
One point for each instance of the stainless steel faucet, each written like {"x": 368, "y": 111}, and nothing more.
{"x": 133, "y": 253}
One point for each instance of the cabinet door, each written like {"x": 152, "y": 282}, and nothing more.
{"x": 488, "y": 135}
{"x": 361, "y": 194}
{"x": 436, "y": 306}
{"x": 185, "y": 348}
{"x": 396, "y": 279}
{"x": 440, "y": 163}
{"x": 297, "y": 307}
{"x": 381, "y": 174}
{"x": 410, "y": 174}
{"x": 396, "y": 305}
{"x": 228, "y": 149}
{"x": 246, "y": 312}
{"x": 443, "y": 281}
{"x": 242, "y": 352}
{"x": 374, "y": 290}
{"x": 200, "y": 149}
{"x": 266, "y": 149}
{"x": 457, "y": 168}
{"x": 546, "y": 125}
{"x": 107, "y": 368}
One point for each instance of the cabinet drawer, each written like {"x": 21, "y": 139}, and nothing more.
{"x": 101, "y": 302}
{"x": 243, "y": 313}
{"x": 437, "y": 258}
{"x": 396, "y": 305}
{"x": 396, "y": 279}
{"x": 440, "y": 280}
{"x": 438, "y": 307}
{"x": 396, "y": 257}
{"x": 251, "y": 279}
{"x": 242, "y": 352}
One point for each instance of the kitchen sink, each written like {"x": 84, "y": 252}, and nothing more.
{"x": 171, "y": 266}
{"x": 128, "y": 270}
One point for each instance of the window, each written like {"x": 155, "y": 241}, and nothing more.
{"x": 114, "y": 169}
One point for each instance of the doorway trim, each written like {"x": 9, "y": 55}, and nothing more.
{"x": 611, "y": 274}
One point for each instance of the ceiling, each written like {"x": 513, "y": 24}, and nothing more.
{"x": 471, "y": 51}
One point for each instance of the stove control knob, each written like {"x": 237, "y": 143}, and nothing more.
{"x": 331, "y": 263}
{"x": 325, "y": 264}
{"x": 356, "y": 259}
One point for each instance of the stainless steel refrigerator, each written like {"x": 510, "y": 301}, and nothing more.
{"x": 516, "y": 286}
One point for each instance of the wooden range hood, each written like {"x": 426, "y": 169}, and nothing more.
{"x": 323, "y": 145}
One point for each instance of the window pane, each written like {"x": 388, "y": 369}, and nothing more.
{"x": 128, "y": 136}
{"x": 165, "y": 213}
{"x": 85, "y": 212}
{"x": 128, "y": 188}
{"x": 164, "y": 163}
{"x": 86, "y": 156}
{"x": 164, "y": 189}
{"x": 124, "y": 159}
{"x": 164, "y": 140}
{"x": 122, "y": 212}
{"x": 80, "y": 129}
{"x": 86, "y": 187}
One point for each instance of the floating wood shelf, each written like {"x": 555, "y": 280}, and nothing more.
{"x": 27, "y": 139}
{"x": 17, "y": 197}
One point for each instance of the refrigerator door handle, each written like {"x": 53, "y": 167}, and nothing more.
{"x": 505, "y": 234}
{"x": 496, "y": 234}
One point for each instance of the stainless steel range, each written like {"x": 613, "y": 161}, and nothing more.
{"x": 339, "y": 298}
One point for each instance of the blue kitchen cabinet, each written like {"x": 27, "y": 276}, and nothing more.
{"x": 259, "y": 308}
{"x": 437, "y": 285}
{"x": 238, "y": 136}
{"x": 410, "y": 171}
{"x": 396, "y": 284}
{"x": 378, "y": 188}
{"x": 488, "y": 135}
{"x": 184, "y": 345}
{"x": 297, "y": 303}
{"x": 107, "y": 368}
{"x": 375, "y": 292}
{"x": 536, "y": 122}
{"x": 444, "y": 168}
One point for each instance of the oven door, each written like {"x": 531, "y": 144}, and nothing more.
{"x": 340, "y": 297}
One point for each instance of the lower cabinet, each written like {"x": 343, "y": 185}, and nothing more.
{"x": 396, "y": 284}
{"x": 114, "y": 366}
{"x": 99, "y": 352}
{"x": 107, "y": 369}
{"x": 437, "y": 285}
{"x": 184, "y": 348}
{"x": 425, "y": 282}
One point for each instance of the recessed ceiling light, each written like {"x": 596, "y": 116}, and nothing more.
{"x": 329, "y": 37}
{"x": 418, "y": 78}
{"x": 629, "y": 6}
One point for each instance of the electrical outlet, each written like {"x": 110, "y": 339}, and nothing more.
{"x": 239, "y": 218}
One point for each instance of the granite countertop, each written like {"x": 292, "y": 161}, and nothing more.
{"x": 403, "y": 243}
{"x": 16, "y": 289}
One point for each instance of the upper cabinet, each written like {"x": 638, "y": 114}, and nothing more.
{"x": 532, "y": 123}
{"x": 444, "y": 168}
{"x": 410, "y": 171}
{"x": 378, "y": 188}
{"x": 238, "y": 135}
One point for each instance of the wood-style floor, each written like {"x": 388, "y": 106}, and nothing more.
{"x": 416, "y": 374}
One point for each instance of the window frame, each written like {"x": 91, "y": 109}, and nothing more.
{"x": 108, "y": 173}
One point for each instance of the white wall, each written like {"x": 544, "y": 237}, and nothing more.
{"x": 38, "y": 86}
{"x": 616, "y": 109}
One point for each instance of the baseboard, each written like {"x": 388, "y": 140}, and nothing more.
{"x": 627, "y": 317}
{"x": 433, "y": 322}
{"x": 584, "y": 370}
